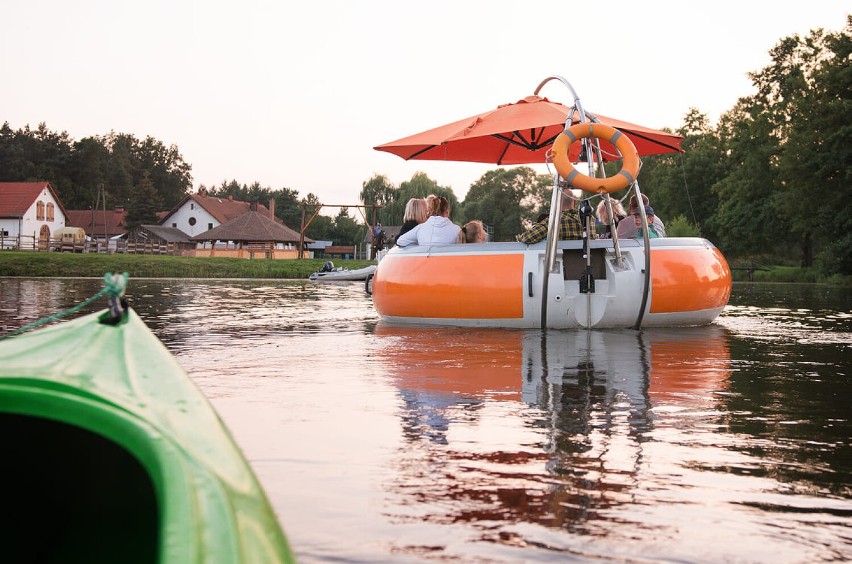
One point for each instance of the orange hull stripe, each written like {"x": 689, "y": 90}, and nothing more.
{"x": 689, "y": 280}
{"x": 464, "y": 287}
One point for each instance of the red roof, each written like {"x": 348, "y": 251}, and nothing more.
{"x": 93, "y": 221}
{"x": 18, "y": 197}
{"x": 223, "y": 209}
{"x": 251, "y": 226}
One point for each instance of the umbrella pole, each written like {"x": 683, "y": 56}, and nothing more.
{"x": 556, "y": 202}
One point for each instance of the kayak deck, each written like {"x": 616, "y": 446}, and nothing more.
{"x": 119, "y": 454}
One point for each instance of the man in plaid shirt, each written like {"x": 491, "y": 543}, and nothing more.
{"x": 570, "y": 226}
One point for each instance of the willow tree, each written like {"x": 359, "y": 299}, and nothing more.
{"x": 421, "y": 186}
{"x": 378, "y": 191}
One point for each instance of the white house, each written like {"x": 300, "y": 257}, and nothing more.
{"x": 198, "y": 213}
{"x": 31, "y": 211}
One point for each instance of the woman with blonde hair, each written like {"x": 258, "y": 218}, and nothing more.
{"x": 603, "y": 216}
{"x": 436, "y": 230}
{"x": 415, "y": 214}
{"x": 473, "y": 232}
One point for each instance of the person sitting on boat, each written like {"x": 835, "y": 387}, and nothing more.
{"x": 637, "y": 224}
{"x": 627, "y": 226}
{"x": 437, "y": 230}
{"x": 473, "y": 232}
{"x": 570, "y": 226}
{"x": 603, "y": 217}
{"x": 415, "y": 214}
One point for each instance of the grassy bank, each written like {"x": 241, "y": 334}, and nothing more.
{"x": 27, "y": 263}
{"x": 792, "y": 274}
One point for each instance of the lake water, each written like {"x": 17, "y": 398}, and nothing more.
{"x": 726, "y": 443}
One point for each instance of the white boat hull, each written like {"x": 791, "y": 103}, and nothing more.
{"x": 343, "y": 274}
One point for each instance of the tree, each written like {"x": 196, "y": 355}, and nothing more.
{"x": 747, "y": 218}
{"x": 682, "y": 184}
{"x": 169, "y": 173}
{"x": 345, "y": 230}
{"x": 378, "y": 191}
{"x": 320, "y": 228}
{"x": 287, "y": 207}
{"x": 87, "y": 170}
{"x": 804, "y": 97}
{"x": 501, "y": 198}
{"x": 144, "y": 204}
{"x": 421, "y": 186}
{"x": 679, "y": 226}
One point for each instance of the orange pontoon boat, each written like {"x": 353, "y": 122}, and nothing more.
{"x": 601, "y": 283}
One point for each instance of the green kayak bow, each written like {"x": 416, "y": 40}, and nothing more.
{"x": 112, "y": 454}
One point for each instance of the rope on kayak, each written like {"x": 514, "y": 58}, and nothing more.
{"x": 114, "y": 286}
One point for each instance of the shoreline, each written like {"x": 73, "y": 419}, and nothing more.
{"x": 40, "y": 264}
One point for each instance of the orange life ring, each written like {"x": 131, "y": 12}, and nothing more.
{"x": 630, "y": 157}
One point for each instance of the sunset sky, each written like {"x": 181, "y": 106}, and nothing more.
{"x": 296, "y": 94}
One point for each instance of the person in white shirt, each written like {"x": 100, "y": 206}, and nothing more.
{"x": 436, "y": 230}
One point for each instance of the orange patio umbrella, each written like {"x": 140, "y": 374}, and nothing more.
{"x": 520, "y": 133}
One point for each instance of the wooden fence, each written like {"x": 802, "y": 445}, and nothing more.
{"x": 147, "y": 247}
{"x": 33, "y": 243}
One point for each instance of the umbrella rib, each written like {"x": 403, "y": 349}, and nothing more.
{"x": 531, "y": 145}
{"x": 502, "y": 154}
{"x": 420, "y": 152}
{"x": 656, "y": 142}
{"x": 511, "y": 140}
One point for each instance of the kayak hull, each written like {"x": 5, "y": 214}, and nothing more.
{"x": 137, "y": 461}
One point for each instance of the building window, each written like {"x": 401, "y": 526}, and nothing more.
{"x": 209, "y": 226}
{"x": 192, "y": 206}
{"x": 40, "y": 211}
{"x": 174, "y": 224}
{"x": 49, "y": 211}
{"x": 192, "y": 221}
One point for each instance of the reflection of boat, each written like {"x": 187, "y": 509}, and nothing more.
{"x": 560, "y": 434}
{"x": 654, "y": 365}
{"x": 602, "y": 283}
{"x": 112, "y": 454}
{"x": 341, "y": 274}
{"x": 648, "y": 368}
{"x": 460, "y": 363}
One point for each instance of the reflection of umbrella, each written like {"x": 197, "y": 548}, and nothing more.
{"x": 519, "y": 133}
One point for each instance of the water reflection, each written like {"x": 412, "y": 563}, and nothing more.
{"x": 24, "y": 301}
{"x": 576, "y": 449}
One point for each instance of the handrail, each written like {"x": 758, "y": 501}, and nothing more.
{"x": 647, "y": 238}
{"x": 555, "y": 206}
{"x": 556, "y": 211}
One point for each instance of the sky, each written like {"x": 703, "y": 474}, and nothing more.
{"x": 296, "y": 94}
